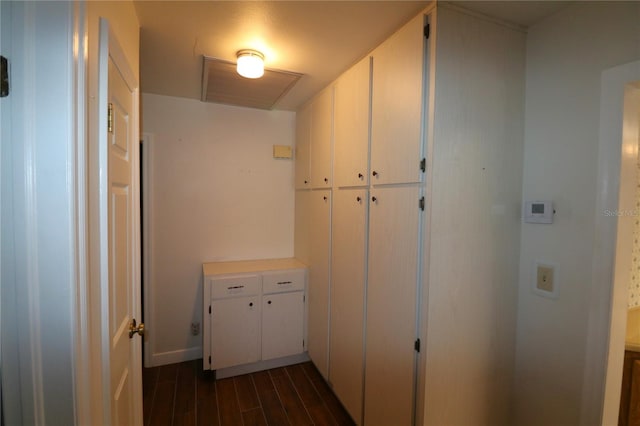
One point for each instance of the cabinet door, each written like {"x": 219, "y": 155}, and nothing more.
{"x": 348, "y": 256}
{"x": 303, "y": 147}
{"x": 282, "y": 324}
{"x": 318, "y": 303}
{"x": 396, "y": 106}
{"x": 351, "y": 126}
{"x": 321, "y": 139}
{"x": 235, "y": 331}
{"x": 392, "y": 300}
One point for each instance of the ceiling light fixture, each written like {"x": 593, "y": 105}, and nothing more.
{"x": 250, "y": 63}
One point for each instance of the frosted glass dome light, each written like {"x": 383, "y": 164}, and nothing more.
{"x": 250, "y": 64}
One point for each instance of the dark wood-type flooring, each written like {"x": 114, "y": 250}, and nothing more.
{"x": 180, "y": 394}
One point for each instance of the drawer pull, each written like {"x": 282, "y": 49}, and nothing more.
{"x": 235, "y": 287}
{"x": 284, "y": 282}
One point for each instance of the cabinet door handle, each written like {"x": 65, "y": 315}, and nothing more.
{"x": 269, "y": 302}
{"x": 306, "y": 182}
{"x": 375, "y": 173}
{"x": 326, "y": 180}
{"x": 360, "y": 176}
{"x": 358, "y": 199}
{"x": 324, "y": 198}
{"x": 235, "y": 287}
{"x": 374, "y": 199}
{"x": 251, "y": 304}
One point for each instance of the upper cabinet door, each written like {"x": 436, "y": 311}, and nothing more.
{"x": 321, "y": 139}
{"x": 303, "y": 147}
{"x": 396, "y": 106}
{"x": 351, "y": 126}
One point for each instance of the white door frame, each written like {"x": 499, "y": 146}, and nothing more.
{"x": 605, "y": 343}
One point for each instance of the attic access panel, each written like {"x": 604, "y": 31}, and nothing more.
{"x": 222, "y": 84}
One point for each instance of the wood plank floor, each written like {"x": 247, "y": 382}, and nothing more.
{"x": 180, "y": 394}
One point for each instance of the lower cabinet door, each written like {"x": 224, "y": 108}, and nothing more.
{"x": 235, "y": 331}
{"x": 282, "y": 324}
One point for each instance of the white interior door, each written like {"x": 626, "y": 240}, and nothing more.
{"x": 123, "y": 360}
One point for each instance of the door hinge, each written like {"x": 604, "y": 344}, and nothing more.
{"x": 423, "y": 165}
{"x": 416, "y": 345}
{"x": 421, "y": 203}
{"x": 110, "y": 118}
{"x": 209, "y": 359}
{"x": 427, "y": 31}
{"x": 4, "y": 77}
{"x": 209, "y": 309}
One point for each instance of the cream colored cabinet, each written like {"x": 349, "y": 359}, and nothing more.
{"x": 318, "y": 289}
{"x": 282, "y": 303}
{"x": 303, "y": 148}
{"x": 397, "y": 106}
{"x": 351, "y": 126}
{"x": 322, "y": 139}
{"x": 392, "y": 305}
{"x": 348, "y": 271}
{"x": 254, "y": 315}
{"x": 235, "y": 320}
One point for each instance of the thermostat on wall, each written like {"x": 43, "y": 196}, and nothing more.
{"x": 538, "y": 212}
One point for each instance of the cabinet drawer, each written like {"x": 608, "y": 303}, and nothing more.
{"x": 278, "y": 282}
{"x": 237, "y": 286}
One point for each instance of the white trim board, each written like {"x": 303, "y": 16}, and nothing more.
{"x": 600, "y": 404}
{"x": 173, "y": 357}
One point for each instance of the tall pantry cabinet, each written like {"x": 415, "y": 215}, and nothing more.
{"x": 426, "y": 128}
{"x": 375, "y": 224}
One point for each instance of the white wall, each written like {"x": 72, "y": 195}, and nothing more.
{"x": 566, "y": 54}
{"x": 217, "y": 194}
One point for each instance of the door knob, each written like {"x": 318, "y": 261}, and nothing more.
{"x": 133, "y": 328}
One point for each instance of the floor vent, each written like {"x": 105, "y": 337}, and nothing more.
{"x": 222, "y": 84}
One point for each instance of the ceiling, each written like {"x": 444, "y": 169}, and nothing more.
{"x": 319, "y": 39}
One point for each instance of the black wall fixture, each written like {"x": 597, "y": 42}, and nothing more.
{"x": 4, "y": 77}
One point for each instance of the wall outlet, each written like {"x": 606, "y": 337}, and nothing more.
{"x": 195, "y": 328}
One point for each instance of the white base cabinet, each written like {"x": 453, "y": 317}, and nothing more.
{"x": 254, "y": 312}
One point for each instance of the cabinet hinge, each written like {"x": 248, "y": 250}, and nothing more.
{"x": 423, "y": 165}
{"x": 110, "y": 118}
{"x": 4, "y": 77}
{"x": 209, "y": 359}
{"x": 209, "y": 309}
{"x": 421, "y": 203}
{"x": 427, "y": 31}
{"x": 416, "y": 345}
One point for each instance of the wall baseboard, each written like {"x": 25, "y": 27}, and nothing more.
{"x": 173, "y": 357}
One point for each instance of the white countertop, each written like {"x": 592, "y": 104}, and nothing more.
{"x": 244, "y": 266}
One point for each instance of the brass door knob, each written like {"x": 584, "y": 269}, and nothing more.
{"x": 133, "y": 328}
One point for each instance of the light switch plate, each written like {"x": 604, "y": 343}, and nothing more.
{"x": 282, "y": 151}
{"x": 545, "y": 279}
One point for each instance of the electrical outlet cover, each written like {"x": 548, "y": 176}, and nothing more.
{"x": 545, "y": 279}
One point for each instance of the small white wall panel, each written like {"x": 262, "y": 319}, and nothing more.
{"x": 348, "y": 271}
{"x": 396, "y": 106}
{"x": 322, "y": 139}
{"x": 351, "y": 126}
{"x": 318, "y": 288}
{"x": 392, "y": 299}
